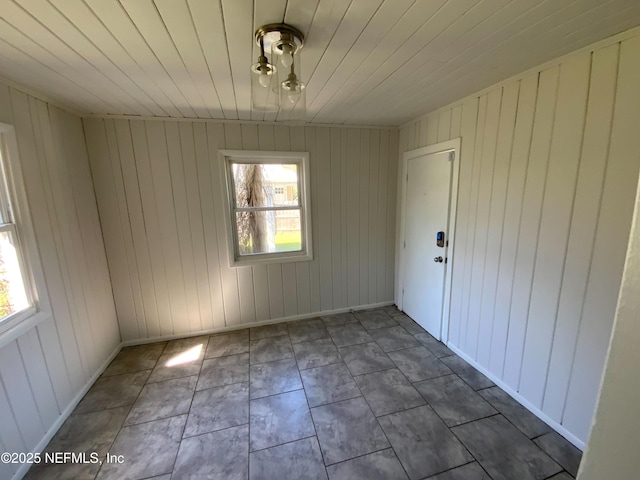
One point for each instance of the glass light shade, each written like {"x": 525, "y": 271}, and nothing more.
{"x": 283, "y": 51}
{"x": 263, "y": 76}
{"x": 293, "y": 100}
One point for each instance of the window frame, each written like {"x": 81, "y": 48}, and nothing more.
{"x": 13, "y": 200}
{"x": 301, "y": 159}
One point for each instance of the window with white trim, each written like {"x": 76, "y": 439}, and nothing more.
{"x": 16, "y": 295}
{"x": 268, "y": 206}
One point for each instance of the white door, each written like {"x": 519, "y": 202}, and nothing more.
{"x": 428, "y": 194}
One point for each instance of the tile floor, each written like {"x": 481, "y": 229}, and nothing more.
{"x": 364, "y": 395}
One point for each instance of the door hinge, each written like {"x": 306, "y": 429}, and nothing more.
{"x": 407, "y": 177}
{"x": 452, "y": 156}
{"x": 404, "y": 244}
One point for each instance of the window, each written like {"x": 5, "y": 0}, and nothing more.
{"x": 268, "y": 206}
{"x": 16, "y": 296}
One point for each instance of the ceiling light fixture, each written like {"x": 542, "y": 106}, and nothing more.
{"x": 275, "y": 80}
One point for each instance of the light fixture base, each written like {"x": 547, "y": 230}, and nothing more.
{"x": 272, "y": 32}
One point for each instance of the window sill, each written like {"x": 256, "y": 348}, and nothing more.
{"x": 265, "y": 259}
{"x": 18, "y": 327}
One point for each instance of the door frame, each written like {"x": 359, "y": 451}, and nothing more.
{"x": 448, "y": 146}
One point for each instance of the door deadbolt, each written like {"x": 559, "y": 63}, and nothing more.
{"x": 438, "y": 260}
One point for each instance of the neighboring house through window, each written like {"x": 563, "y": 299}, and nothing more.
{"x": 267, "y": 196}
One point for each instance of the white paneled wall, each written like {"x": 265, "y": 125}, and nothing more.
{"x": 43, "y": 372}
{"x": 549, "y": 168}
{"x": 159, "y": 194}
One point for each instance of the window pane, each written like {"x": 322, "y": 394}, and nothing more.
{"x": 269, "y": 231}
{"x": 13, "y": 296}
{"x": 265, "y": 185}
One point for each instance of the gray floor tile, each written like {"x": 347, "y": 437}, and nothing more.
{"x": 388, "y": 392}
{"x": 383, "y": 465}
{"x": 279, "y": 419}
{"x": 224, "y": 371}
{"x": 349, "y": 334}
{"x": 468, "y": 373}
{"x": 232, "y": 343}
{"x": 274, "y": 377}
{"x": 561, "y": 451}
{"x": 561, "y": 476}
{"x": 135, "y": 359}
{"x": 503, "y": 451}
{"x": 316, "y": 353}
{"x": 338, "y": 319}
{"x": 149, "y": 449}
{"x": 176, "y": 365}
{"x": 372, "y": 319}
{"x": 394, "y": 338}
{"x": 346, "y": 430}
{"x": 408, "y": 324}
{"x": 270, "y": 349}
{"x": 307, "y": 330}
{"x": 189, "y": 345}
{"x": 328, "y": 384}
{"x": 86, "y": 432}
{"x": 162, "y": 400}
{"x": 268, "y": 331}
{"x": 220, "y": 455}
{"x": 392, "y": 310}
{"x": 423, "y": 443}
{"x": 114, "y": 391}
{"x": 365, "y": 358}
{"x": 292, "y": 461}
{"x": 522, "y": 418}
{"x": 455, "y": 401}
{"x": 439, "y": 349}
{"x": 470, "y": 471}
{"x": 218, "y": 408}
{"x": 418, "y": 363}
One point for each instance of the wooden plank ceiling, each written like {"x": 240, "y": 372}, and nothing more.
{"x": 371, "y": 62}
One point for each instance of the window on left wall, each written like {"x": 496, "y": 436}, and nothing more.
{"x": 16, "y": 291}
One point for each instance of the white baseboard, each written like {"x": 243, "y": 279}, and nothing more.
{"x": 521, "y": 400}
{"x": 24, "y": 468}
{"x": 162, "y": 338}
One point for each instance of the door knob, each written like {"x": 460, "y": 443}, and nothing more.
{"x": 438, "y": 260}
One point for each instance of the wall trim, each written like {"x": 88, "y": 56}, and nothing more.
{"x": 273, "y": 321}
{"x": 520, "y": 399}
{"x": 617, "y": 38}
{"x": 24, "y": 468}
{"x": 241, "y": 122}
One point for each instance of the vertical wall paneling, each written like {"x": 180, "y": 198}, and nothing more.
{"x": 496, "y": 217}
{"x": 485, "y": 180}
{"x": 382, "y": 212}
{"x": 44, "y": 371}
{"x": 307, "y": 273}
{"x": 530, "y": 224}
{"x": 162, "y": 323}
{"x": 363, "y": 214}
{"x": 468, "y": 124}
{"x": 556, "y": 218}
{"x": 547, "y": 181}
{"x": 472, "y": 209}
{"x": 229, "y": 276}
{"x": 176, "y": 233}
{"x": 323, "y": 223}
{"x": 614, "y": 222}
{"x": 583, "y": 226}
{"x": 392, "y": 193}
{"x": 339, "y": 299}
{"x": 528, "y": 88}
